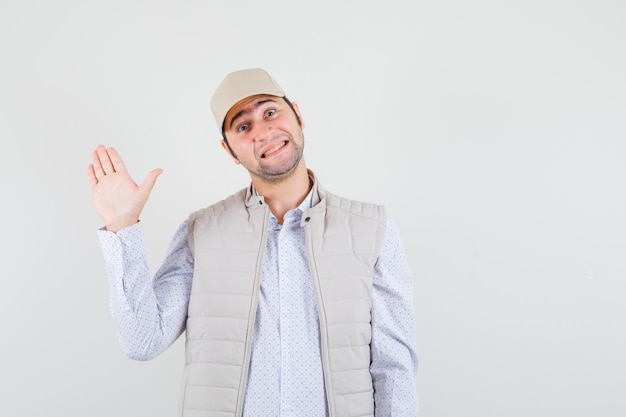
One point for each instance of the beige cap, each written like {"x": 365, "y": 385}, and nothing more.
{"x": 239, "y": 85}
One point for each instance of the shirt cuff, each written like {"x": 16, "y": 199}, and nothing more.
{"x": 127, "y": 243}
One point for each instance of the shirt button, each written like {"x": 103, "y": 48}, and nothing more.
{"x": 307, "y": 219}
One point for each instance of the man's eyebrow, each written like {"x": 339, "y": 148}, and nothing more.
{"x": 242, "y": 112}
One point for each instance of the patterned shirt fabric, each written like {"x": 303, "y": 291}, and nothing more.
{"x": 285, "y": 376}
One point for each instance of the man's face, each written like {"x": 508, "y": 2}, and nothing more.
{"x": 265, "y": 137}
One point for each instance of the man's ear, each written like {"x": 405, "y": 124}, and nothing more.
{"x": 297, "y": 110}
{"x": 230, "y": 151}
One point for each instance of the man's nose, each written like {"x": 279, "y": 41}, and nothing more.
{"x": 264, "y": 131}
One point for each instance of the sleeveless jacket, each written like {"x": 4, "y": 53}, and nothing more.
{"x": 228, "y": 239}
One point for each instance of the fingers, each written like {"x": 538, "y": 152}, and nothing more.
{"x": 116, "y": 160}
{"x": 91, "y": 177}
{"x": 150, "y": 180}
{"x": 96, "y": 166}
{"x": 106, "y": 166}
{"x": 106, "y": 161}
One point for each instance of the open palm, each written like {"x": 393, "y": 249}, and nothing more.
{"x": 117, "y": 198}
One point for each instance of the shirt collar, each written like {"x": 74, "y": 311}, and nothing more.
{"x": 306, "y": 204}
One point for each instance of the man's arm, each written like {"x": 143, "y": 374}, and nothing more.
{"x": 149, "y": 314}
{"x": 394, "y": 357}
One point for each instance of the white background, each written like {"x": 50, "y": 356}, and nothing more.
{"x": 494, "y": 132}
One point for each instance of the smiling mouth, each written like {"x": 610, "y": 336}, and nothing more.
{"x": 274, "y": 149}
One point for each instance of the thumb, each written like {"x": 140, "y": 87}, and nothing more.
{"x": 150, "y": 180}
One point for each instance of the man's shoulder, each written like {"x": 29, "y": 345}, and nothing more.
{"x": 354, "y": 207}
{"x": 233, "y": 201}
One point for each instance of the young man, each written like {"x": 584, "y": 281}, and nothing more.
{"x": 295, "y": 301}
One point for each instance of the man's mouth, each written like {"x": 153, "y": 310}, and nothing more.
{"x": 274, "y": 149}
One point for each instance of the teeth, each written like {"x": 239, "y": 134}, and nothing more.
{"x": 274, "y": 149}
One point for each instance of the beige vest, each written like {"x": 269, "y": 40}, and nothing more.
{"x": 228, "y": 240}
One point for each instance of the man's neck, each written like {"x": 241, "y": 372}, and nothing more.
{"x": 287, "y": 194}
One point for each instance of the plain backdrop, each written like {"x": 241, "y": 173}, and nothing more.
{"x": 494, "y": 131}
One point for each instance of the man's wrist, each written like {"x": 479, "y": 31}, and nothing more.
{"x": 117, "y": 226}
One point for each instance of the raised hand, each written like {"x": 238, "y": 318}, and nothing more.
{"x": 117, "y": 198}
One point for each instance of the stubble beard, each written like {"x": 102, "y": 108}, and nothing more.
{"x": 277, "y": 173}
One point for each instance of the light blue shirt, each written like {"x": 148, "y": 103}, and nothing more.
{"x": 285, "y": 376}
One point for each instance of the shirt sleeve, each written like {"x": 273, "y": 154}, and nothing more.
{"x": 149, "y": 313}
{"x": 394, "y": 358}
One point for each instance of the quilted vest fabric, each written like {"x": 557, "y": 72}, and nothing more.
{"x": 228, "y": 240}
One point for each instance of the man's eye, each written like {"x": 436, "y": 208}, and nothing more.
{"x": 270, "y": 113}
{"x": 242, "y": 128}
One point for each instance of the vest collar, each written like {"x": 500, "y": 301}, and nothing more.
{"x": 318, "y": 203}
